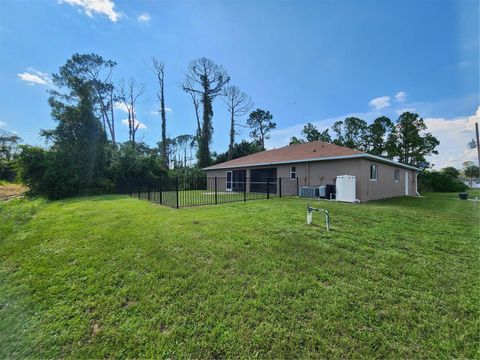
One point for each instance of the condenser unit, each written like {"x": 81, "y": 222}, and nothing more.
{"x": 322, "y": 191}
{"x": 310, "y": 192}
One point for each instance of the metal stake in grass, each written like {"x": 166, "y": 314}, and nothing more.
{"x": 310, "y": 211}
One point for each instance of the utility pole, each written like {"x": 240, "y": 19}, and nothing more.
{"x": 478, "y": 144}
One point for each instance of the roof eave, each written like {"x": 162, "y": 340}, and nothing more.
{"x": 343, "y": 157}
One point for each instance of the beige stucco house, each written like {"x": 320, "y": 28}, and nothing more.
{"x": 315, "y": 164}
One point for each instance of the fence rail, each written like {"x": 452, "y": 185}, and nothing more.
{"x": 184, "y": 191}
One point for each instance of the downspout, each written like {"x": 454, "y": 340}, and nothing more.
{"x": 416, "y": 183}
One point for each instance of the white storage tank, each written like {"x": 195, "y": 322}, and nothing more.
{"x": 346, "y": 188}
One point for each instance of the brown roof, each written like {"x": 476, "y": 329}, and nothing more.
{"x": 316, "y": 150}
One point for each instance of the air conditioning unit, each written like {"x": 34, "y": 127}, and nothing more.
{"x": 322, "y": 191}
{"x": 310, "y": 192}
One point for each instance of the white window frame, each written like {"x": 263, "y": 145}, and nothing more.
{"x": 396, "y": 175}
{"x": 375, "y": 166}
{"x": 293, "y": 172}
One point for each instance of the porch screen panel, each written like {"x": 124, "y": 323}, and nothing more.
{"x": 259, "y": 178}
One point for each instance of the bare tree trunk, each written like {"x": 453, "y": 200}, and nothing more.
{"x": 159, "y": 69}
{"x": 232, "y": 135}
{"x": 129, "y": 95}
{"x": 197, "y": 105}
{"x": 238, "y": 104}
{"x": 112, "y": 119}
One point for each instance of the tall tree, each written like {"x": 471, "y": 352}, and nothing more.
{"x": 96, "y": 72}
{"x": 195, "y": 97}
{"x": 238, "y": 104}
{"x": 240, "y": 149}
{"x": 205, "y": 79}
{"x": 260, "y": 121}
{"x": 129, "y": 94}
{"x": 183, "y": 142}
{"x": 409, "y": 141}
{"x": 377, "y": 135}
{"x": 294, "y": 140}
{"x": 471, "y": 171}
{"x": 311, "y": 133}
{"x": 76, "y": 162}
{"x": 159, "y": 69}
{"x": 351, "y": 133}
{"x": 8, "y": 144}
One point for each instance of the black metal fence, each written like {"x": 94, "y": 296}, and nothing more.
{"x": 193, "y": 191}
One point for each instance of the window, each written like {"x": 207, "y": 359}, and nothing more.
{"x": 373, "y": 172}
{"x": 396, "y": 175}
{"x": 293, "y": 172}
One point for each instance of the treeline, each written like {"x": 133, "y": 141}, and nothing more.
{"x": 405, "y": 140}
{"x": 84, "y": 154}
{"x": 448, "y": 179}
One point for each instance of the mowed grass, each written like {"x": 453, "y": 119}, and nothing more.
{"x": 200, "y": 197}
{"x": 120, "y": 277}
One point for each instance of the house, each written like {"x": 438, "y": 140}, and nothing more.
{"x": 315, "y": 164}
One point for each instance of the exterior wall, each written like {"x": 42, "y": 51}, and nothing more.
{"x": 385, "y": 186}
{"x": 325, "y": 172}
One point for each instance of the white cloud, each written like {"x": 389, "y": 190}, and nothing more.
{"x": 2, "y": 124}
{"x": 34, "y": 77}
{"x": 89, "y": 7}
{"x": 144, "y": 18}
{"x": 121, "y": 106}
{"x": 454, "y": 135}
{"x": 140, "y": 126}
{"x": 380, "y": 102}
{"x": 156, "y": 112}
{"x": 401, "y": 96}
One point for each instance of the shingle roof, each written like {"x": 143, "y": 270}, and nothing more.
{"x": 298, "y": 152}
{"x": 312, "y": 151}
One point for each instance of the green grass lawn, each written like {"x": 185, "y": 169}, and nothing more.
{"x": 120, "y": 277}
{"x": 200, "y": 197}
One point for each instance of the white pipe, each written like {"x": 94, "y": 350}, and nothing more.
{"x": 416, "y": 183}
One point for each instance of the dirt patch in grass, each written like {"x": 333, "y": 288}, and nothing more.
{"x": 10, "y": 190}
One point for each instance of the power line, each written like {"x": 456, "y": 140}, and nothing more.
{"x": 449, "y": 161}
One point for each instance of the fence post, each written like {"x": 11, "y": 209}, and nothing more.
{"x": 298, "y": 189}
{"x": 160, "y": 190}
{"x": 148, "y": 191}
{"x": 176, "y": 188}
{"x": 138, "y": 189}
{"x": 131, "y": 187}
{"x": 216, "y": 201}
{"x": 280, "y": 187}
{"x": 245, "y": 189}
{"x": 268, "y": 188}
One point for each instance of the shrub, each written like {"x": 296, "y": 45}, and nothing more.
{"x": 440, "y": 182}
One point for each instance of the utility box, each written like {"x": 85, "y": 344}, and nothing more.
{"x": 346, "y": 187}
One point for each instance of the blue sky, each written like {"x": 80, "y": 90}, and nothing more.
{"x": 305, "y": 61}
